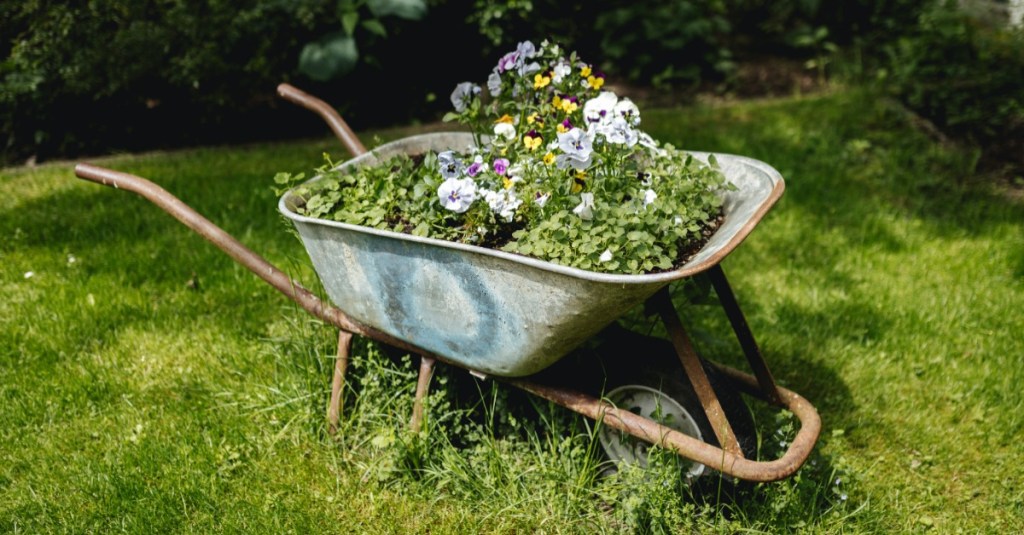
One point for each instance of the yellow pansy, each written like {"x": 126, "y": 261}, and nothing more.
{"x": 585, "y": 71}
{"x": 541, "y": 80}
{"x": 505, "y": 119}
{"x": 549, "y": 158}
{"x": 595, "y": 81}
{"x": 532, "y": 142}
{"x": 579, "y": 181}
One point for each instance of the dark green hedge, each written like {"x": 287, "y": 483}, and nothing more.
{"x": 91, "y": 76}
{"x": 966, "y": 76}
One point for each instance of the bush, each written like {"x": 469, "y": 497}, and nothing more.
{"x": 967, "y": 78}
{"x": 95, "y": 75}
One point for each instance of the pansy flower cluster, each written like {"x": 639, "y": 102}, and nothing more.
{"x": 553, "y": 142}
{"x": 560, "y": 171}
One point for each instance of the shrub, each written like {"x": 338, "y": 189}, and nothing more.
{"x": 94, "y": 75}
{"x": 967, "y": 78}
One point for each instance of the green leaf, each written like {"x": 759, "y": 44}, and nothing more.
{"x": 349, "y": 21}
{"x": 450, "y": 116}
{"x": 406, "y": 9}
{"x": 331, "y": 56}
{"x": 374, "y": 26}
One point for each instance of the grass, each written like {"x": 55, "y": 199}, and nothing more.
{"x": 886, "y": 287}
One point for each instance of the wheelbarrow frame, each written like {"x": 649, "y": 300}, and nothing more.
{"x": 727, "y": 459}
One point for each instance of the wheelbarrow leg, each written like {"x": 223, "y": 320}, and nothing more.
{"x": 338, "y": 383}
{"x": 662, "y": 302}
{"x": 422, "y": 385}
{"x": 746, "y": 338}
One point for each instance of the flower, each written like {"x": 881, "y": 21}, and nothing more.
{"x": 505, "y": 131}
{"x": 541, "y": 80}
{"x": 599, "y": 109}
{"x": 29, "y": 274}
{"x": 500, "y": 166}
{"x": 464, "y": 93}
{"x": 560, "y": 71}
{"x": 532, "y": 140}
{"x": 474, "y": 169}
{"x": 577, "y": 150}
{"x": 619, "y": 132}
{"x": 504, "y": 203}
{"x": 508, "y": 62}
{"x": 564, "y": 126}
{"x": 549, "y": 158}
{"x": 457, "y": 194}
{"x": 595, "y": 81}
{"x": 541, "y": 198}
{"x": 649, "y": 196}
{"x": 525, "y": 50}
{"x": 628, "y": 111}
{"x": 494, "y": 83}
{"x": 585, "y": 209}
{"x": 451, "y": 167}
{"x": 606, "y": 256}
{"x": 585, "y": 71}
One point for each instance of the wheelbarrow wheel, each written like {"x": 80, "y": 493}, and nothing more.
{"x": 644, "y": 376}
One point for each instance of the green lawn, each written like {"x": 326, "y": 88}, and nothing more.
{"x": 887, "y": 287}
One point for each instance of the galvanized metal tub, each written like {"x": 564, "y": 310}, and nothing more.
{"x": 491, "y": 311}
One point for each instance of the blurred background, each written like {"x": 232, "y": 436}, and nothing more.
{"x": 89, "y": 77}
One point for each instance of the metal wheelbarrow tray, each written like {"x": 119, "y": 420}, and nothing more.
{"x": 505, "y": 315}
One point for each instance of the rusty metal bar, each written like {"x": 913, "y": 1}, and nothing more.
{"x": 338, "y": 125}
{"x": 422, "y": 386}
{"x": 689, "y": 447}
{"x": 338, "y": 381}
{"x": 743, "y": 334}
{"x": 662, "y": 302}
{"x": 237, "y": 251}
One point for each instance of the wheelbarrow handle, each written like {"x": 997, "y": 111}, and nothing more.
{"x": 239, "y": 252}
{"x": 227, "y": 243}
{"x": 338, "y": 125}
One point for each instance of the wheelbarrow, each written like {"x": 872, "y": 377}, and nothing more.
{"x": 513, "y": 318}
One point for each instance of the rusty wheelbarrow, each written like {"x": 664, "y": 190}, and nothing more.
{"x": 512, "y": 318}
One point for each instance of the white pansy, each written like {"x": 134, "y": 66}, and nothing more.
{"x": 577, "y": 149}
{"x": 585, "y": 209}
{"x": 606, "y": 256}
{"x": 628, "y": 111}
{"x": 561, "y": 70}
{"x": 649, "y": 197}
{"x": 505, "y": 131}
{"x": 504, "y": 203}
{"x": 619, "y": 132}
{"x": 541, "y": 199}
{"x": 600, "y": 109}
{"x": 457, "y": 194}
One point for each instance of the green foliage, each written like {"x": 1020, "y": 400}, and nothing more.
{"x": 336, "y": 54}
{"x": 94, "y": 75}
{"x": 966, "y": 77}
{"x": 647, "y": 41}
